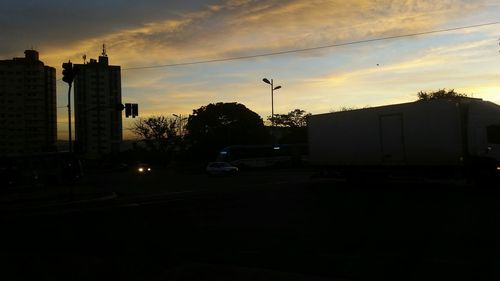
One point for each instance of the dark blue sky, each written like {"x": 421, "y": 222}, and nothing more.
{"x": 35, "y": 22}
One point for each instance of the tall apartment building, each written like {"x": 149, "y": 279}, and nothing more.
{"x": 98, "y": 118}
{"x": 27, "y": 105}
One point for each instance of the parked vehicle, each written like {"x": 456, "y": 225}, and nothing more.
{"x": 221, "y": 168}
{"x": 452, "y": 135}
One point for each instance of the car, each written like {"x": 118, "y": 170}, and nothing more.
{"x": 221, "y": 168}
{"x": 142, "y": 168}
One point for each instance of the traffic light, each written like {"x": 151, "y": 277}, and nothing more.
{"x": 131, "y": 109}
{"x": 68, "y": 72}
{"x": 135, "y": 110}
{"x": 128, "y": 109}
{"x": 120, "y": 107}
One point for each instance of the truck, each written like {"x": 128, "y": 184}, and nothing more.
{"x": 457, "y": 135}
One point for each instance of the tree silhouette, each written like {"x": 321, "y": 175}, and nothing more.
{"x": 293, "y": 126}
{"x": 295, "y": 119}
{"x": 156, "y": 131}
{"x": 215, "y": 126}
{"x": 440, "y": 94}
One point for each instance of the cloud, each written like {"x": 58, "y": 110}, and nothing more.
{"x": 463, "y": 64}
{"x": 158, "y": 32}
{"x": 50, "y": 23}
{"x": 238, "y": 28}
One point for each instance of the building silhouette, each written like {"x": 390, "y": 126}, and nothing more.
{"x": 98, "y": 120}
{"x": 27, "y": 105}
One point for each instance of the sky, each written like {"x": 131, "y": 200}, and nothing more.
{"x": 141, "y": 36}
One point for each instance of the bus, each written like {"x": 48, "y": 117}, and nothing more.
{"x": 261, "y": 156}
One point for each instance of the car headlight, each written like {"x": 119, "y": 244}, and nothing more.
{"x": 149, "y": 169}
{"x": 141, "y": 169}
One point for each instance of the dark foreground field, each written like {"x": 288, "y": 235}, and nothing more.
{"x": 258, "y": 225}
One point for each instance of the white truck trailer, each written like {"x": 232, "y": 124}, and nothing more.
{"x": 448, "y": 134}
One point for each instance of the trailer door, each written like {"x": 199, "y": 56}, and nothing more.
{"x": 391, "y": 139}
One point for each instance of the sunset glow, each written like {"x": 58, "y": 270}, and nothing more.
{"x": 152, "y": 33}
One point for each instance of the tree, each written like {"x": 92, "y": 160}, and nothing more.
{"x": 293, "y": 126}
{"x": 156, "y": 132}
{"x": 294, "y": 119}
{"x": 215, "y": 126}
{"x": 440, "y": 94}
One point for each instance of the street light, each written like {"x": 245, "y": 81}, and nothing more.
{"x": 180, "y": 122}
{"x": 272, "y": 104}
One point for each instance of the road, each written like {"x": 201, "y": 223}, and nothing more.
{"x": 272, "y": 225}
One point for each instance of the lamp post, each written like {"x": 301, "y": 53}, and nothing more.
{"x": 180, "y": 122}
{"x": 272, "y": 104}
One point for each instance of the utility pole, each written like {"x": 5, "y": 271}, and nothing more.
{"x": 69, "y": 73}
{"x": 69, "y": 118}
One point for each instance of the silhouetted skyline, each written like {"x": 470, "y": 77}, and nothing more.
{"x": 370, "y": 74}
{"x": 98, "y": 115}
{"x": 27, "y": 105}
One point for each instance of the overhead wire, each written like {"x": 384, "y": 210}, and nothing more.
{"x": 312, "y": 48}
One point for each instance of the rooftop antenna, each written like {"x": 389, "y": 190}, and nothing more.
{"x": 104, "y": 50}
{"x": 84, "y": 57}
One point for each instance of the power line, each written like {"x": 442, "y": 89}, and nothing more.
{"x": 313, "y": 48}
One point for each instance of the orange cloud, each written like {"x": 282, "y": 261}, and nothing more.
{"x": 245, "y": 27}
{"x": 241, "y": 27}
